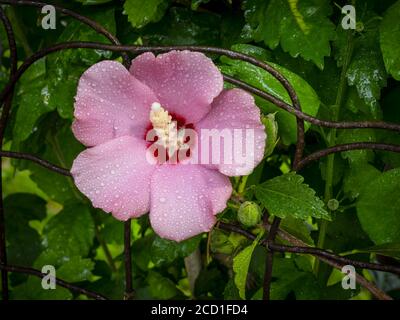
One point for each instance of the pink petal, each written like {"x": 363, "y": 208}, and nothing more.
{"x": 185, "y": 198}
{"x": 110, "y": 103}
{"x": 115, "y": 176}
{"x": 185, "y": 82}
{"x": 234, "y": 111}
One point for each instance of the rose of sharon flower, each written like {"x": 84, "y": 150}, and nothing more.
{"x": 114, "y": 111}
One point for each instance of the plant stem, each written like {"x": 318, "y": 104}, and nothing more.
{"x": 242, "y": 185}
{"x": 331, "y": 140}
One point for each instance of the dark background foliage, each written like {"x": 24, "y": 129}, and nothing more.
{"x": 347, "y": 203}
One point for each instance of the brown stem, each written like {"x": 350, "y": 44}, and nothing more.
{"x": 129, "y": 293}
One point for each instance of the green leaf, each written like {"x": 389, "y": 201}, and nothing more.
{"x": 32, "y": 100}
{"x": 65, "y": 68}
{"x": 391, "y": 113}
{"x": 298, "y": 228}
{"x": 366, "y": 70}
{"x": 231, "y": 292}
{"x": 113, "y": 231}
{"x": 166, "y": 251}
{"x": 142, "y": 12}
{"x": 389, "y": 40}
{"x": 288, "y": 277}
{"x": 345, "y": 233}
{"x": 226, "y": 243}
{"x": 23, "y": 242}
{"x": 181, "y": 26}
{"x": 300, "y": 27}
{"x": 378, "y": 208}
{"x": 241, "y": 263}
{"x": 55, "y": 143}
{"x": 161, "y": 287}
{"x": 76, "y": 269}
{"x": 70, "y": 233}
{"x": 32, "y": 290}
{"x": 271, "y": 129}
{"x": 210, "y": 283}
{"x": 261, "y": 79}
{"x": 357, "y": 135}
{"x": 358, "y": 176}
{"x": 287, "y": 195}
{"x": 391, "y": 249}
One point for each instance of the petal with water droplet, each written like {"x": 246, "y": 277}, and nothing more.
{"x": 185, "y": 82}
{"x": 185, "y": 198}
{"x": 115, "y": 176}
{"x": 243, "y": 143}
{"x": 110, "y": 103}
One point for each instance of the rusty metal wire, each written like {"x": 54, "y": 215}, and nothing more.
{"x": 299, "y": 161}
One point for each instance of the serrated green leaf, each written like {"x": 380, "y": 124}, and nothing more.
{"x": 142, "y": 12}
{"x": 378, "y": 208}
{"x": 389, "y": 40}
{"x": 241, "y": 264}
{"x": 289, "y": 23}
{"x": 287, "y": 195}
{"x": 261, "y": 79}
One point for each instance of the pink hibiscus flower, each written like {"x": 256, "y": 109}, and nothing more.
{"x": 115, "y": 109}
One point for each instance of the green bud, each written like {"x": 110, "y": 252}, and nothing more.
{"x": 333, "y": 204}
{"x": 271, "y": 129}
{"x": 249, "y": 214}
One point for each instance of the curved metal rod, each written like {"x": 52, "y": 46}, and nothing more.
{"x": 135, "y": 49}
{"x": 91, "y": 23}
{"x": 328, "y": 260}
{"x": 61, "y": 283}
{"x": 347, "y": 147}
{"x": 313, "y": 157}
{"x": 279, "y": 103}
{"x": 39, "y": 161}
{"x": 3, "y": 120}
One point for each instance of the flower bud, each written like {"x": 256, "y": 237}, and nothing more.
{"x": 333, "y": 204}
{"x": 249, "y": 214}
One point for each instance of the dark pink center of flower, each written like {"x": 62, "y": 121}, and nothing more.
{"x": 169, "y": 137}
